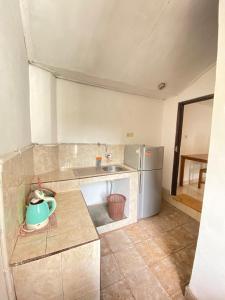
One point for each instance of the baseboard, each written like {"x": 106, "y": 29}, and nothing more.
{"x": 188, "y": 294}
{"x": 165, "y": 194}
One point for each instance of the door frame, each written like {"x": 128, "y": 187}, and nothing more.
{"x": 179, "y": 126}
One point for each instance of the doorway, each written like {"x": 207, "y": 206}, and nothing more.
{"x": 191, "y": 150}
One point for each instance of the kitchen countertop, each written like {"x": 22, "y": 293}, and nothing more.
{"x": 76, "y": 173}
{"x": 74, "y": 228}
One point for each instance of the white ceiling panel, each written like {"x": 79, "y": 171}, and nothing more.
{"x": 126, "y": 45}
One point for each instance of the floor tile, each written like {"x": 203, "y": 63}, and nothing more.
{"x": 169, "y": 275}
{"x": 192, "y": 227}
{"x": 105, "y": 250}
{"x": 167, "y": 208}
{"x": 150, "y": 227}
{"x": 145, "y": 286}
{"x": 184, "y": 237}
{"x": 179, "y": 218}
{"x": 118, "y": 240}
{"x": 117, "y": 291}
{"x": 136, "y": 233}
{"x": 151, "y": 259}
{"x": 165, "y": 223}
{"x": 150, "y": 251}
{"x": 168, "y": 243}
{"x": 129, "y": 261}
{"x": 186, "y": 256}
{"x": 109, "y": 271}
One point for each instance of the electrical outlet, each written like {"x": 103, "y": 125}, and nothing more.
{"x": 130, "y": 134}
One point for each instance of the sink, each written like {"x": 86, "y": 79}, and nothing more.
{"x": 114, "y": 168}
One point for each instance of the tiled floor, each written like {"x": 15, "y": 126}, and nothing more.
{"x": 192, "y": 190}
{"x": 151, "y": 259}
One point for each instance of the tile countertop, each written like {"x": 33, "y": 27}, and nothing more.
{"x": 74, "y": 228}
{"x": 76, "y": 173}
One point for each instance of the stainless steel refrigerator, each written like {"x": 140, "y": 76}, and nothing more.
{"x": 149, "y": 162}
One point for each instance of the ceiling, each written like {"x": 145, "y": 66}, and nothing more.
{"x": 124, "y": 45}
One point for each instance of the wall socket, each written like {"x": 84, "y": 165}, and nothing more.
{"x": 130, "y": 134}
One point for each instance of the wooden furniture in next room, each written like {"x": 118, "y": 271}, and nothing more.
{"x": 202, "y": 158}
{"x": 200, "y": 181}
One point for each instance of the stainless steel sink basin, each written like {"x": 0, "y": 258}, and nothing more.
{"x": 114, "y": 168}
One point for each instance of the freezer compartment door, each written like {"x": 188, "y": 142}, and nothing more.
{"x": 151, "y": 158}
{"x": 150, "y": 193}
{"x": 132, "y": 156}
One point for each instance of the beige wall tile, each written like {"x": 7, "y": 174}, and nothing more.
{"x": 62, "y": 186}
{"x": 12, "y": 174}
{"x": 39, "y": 280}
{"x": 10, "y": 196}
{"x": 17, "y": 172}
{"x": 45, "y": 158}
{"x": 27, "y": 165}
{"x": 84, "y": 155}
{"x": 81, "y": 270}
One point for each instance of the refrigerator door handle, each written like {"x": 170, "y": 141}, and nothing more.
{"x": 140, "y": 183}
{"x": 142, "y": 153}
{"x": 140, "y": 159}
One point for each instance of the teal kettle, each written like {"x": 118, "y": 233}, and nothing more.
{"x": 39, "y": 210}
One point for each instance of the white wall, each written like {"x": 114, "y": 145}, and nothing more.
{"x": 203, "y": 86}
{"x": 196, "y": 134}
{"x": 42, "y": 106}
{"x": 89, "y": 114}
{"x": 208, "y": 276}
{"x": 14, "y": 91}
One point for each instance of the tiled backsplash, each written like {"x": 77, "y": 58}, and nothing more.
{"x": 16, "y": 177}
{"x": 18, "y": 169}
{"x": 45, "y": 158}
{"x": 84, "y": 155}
{"x": 48, "y": 158}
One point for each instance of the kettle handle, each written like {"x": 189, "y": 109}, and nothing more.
{"x": 52, "y": 209}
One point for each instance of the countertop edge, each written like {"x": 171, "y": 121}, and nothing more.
{"x": 23, "y": 262}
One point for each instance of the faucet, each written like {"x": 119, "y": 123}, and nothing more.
{"x": 107, "y": 155}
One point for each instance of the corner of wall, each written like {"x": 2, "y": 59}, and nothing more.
{"x": 188, "y": 294}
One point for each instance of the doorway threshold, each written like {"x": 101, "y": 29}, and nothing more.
{"x": 175, "y": 201}
{"x": 189, "y": 201}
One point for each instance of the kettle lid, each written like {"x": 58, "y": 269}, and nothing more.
{"x": 39, "y": 194}
{"x": 35, "y": 201}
